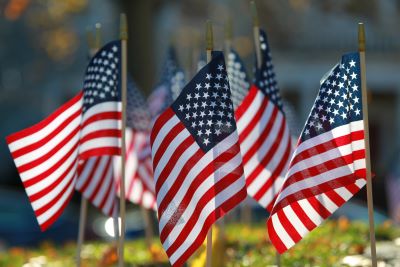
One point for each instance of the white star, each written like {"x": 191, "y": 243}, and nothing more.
{"x": 180, "y": 107}
{"x": 201, "y": 123}
{"x": 329, "y": 91}
{"x": 353, "y": 76}
{"x": 352, "y": 63}
{"x": 114, "y": 48}
{"x": 319, "y": 126}
{"x": 344, "y": 115}
{"x": 195, "y": 105}
{"x": 211, "y": 113}
{"x": 205, "y": 95}
{"x": 219, "y": 123}
{"x": 223, "y": 105}
{"x": 323, "y": 118}
{"x": 355, "y": 87}
{"x": 306, "y": 131}
{"x": 356, "y": 99}
{"x": 219, "y": 76}
{"x": 217, "y": 132}
{"x": 340, "y": 104}
{"x": 217, "y": 86}
{"x": 220, "y": 67}
{"x": 208, "y": 76}
{"x": 194, "y": 115}
{"x": 209, "y": 123}
{"x": 194, "y": 124}
{"x": 203, "y": 104}
{"x": 197, "y": 95}
{"x": 340, "y": 85}
{"x": 199, "y": 132}
{"x": 207, "y": 85}
{"x": 206, "y": 142}
{"x": 310, "y": 123}
{"x": 332, "y": 102}
{"x": 221, "y": 113}
{"x": 224, "y": 95}
{"x": 187, "y": 106}
{"x": 202, "y": 114}
{"x": 208, "y": 132}
{"x": 198, "y": 86}
{"x": 213, "y": 104}
{"x": 331, "y": 120}
{"x": 188, "y": 97}
{"x": 357, "y": 111}
{"x": 228, "y": 124}
{"x": 335, "y": 112}
{"x": 215, "y": 94}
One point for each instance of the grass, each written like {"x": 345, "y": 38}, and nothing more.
{"x": 239, "y": 245}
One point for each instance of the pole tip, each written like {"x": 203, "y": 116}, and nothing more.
{"x": 254, "y": 13}
{"x": 209, "y": 35}
{"x": 228, "y": 29}
{"x": 97, "y": 42}
{"x": 123, "y": 27}
{"x": 361, "y": 37}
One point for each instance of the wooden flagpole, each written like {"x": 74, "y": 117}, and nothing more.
{"x": 370, "y": 202}
{"x": 94, "y": 45}
{"x": 256, "y": 33}
{"x": 124, "y": 67}
{"x": 228, "y": 36}
{"x": 148, "y": 229}
{"x": 209, "y": 48}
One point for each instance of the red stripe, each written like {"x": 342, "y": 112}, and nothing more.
{"x": 214, "y": 216}
{"x": 46, "y": 139}
{"x": 89, "y": 177}
{"x": 100, "y": 181}
{"x": 177, "y": 129}
{"x": 264, "y": 135}
{"x": 178, "y": 181}
{"x": 331, "y": 144}
{"x": 212, "y": 167}
{"x": 50, "y": 187}
{"x": 247, "y": 101}
{"x": 109, "y": 193}
{"x": 50, "y": 170}
{"x": 100, "y": 151}
{"x": 319, "y": 208}
{"x": 326, "y": 166}
{"x": 52, "y": 219}
{"x": 35, "y": 128}
{"x": 255, "y": 120}
{"x": 103, "y": 115}
{"x": 101, "y": 133}
{"x": 265, "y": 160}
{"x": 211, "y": 193}
{"x": 49, "y": 205}
{"x": 58, "y": 147}
{"x": 159, "y": 123}
{"x": 290, "y": 230}
{"x": 302, "y": 215}
{"x": 335, "y": 197}
{"x": 274, "y": 174}
{"x": 273, "y": 236}
{"x": 173, "y": 160}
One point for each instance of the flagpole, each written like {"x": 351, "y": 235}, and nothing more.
{"x": 124, "y": 66}
{"x": 228, "y": 36}
{"x": 148, "y": 226}
{"x": 94, "y": 45}
{"x": 370, "y": 202}
{"x": 209, "y": 48}
{"x": 256, "y": 32}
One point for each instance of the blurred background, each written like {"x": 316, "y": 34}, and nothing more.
{"x": 44, "y": 51}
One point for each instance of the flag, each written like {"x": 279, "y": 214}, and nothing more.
{"x": 328, "y": 165}
{"x": 99, "y": 177}
{"x": 171, "y": 83}
{"x": 264, "y": 135}
{"x": 197, "y": 163}
{"x": 238, "y": 78}
{"x": 47, "y": 154}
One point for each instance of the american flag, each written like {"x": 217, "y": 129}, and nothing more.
{"x": 238, "y": 78}
{"x": 171, "y": 83}
{"x": 197, "y": 162}
{"x": 328, "y": 165}
{"x": 99, "y": 177}
{"x": 264, "y": 135}
{"x": 47, "y": 154}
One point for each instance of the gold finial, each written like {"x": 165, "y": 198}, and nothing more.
{"x": 361, "y": 37}
{"x": 228, "y": 29}
{"x": 123, "y": 27}
{"x": 209, "y": 35}
{"x": 254, "y": 14}
{"x": 97, "y": 40}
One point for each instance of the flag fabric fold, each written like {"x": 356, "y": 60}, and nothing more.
{"x": 265, "y": 140}
{"x": 47, "y": 154}
{"x": 328, "y": 165}
{"x": 197, "y": 163}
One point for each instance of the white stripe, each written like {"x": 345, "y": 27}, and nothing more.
{"x": 327, "y": 136}
{"x": 109, "y": 124}
{"x": 295, "y": 221}
{"x": 310, "y": 211}
{"x": 219, "y": 149}
{"x": 281, "y": 231}
{"x": 318, "y": 179}
{"x": 260, "y": 127}
{"x": 167, "y": 153}
{"x": 57, "y": 121}
{"x": 56, "y": 207}
{"x": 84, "y": 175}
{"x": 49, "y": 145}
{"x": 250, "y": 111}
{"x": 105, "y": 185}
{"x": 99, "y": 142}
{"x": 165, "y": 129}
{"x": 111, "y": 106}
{"x": 208, "y": 183}
{"x": 320, "y": 158}
{"x": 96, "y": 178}
{"x": 343, "y": 193}
{"x": 327, "y": 202}
{"x": 49, "y": 163}
{"x": 211, "y": 206}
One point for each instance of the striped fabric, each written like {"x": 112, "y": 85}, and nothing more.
{"x": 264, "y": 135}
{"x": 46, "y": 158}
{"x": 47, "y": 154}
{"x": 197, "y": 162}
{"x": 139, "y": 183}
{"x": 328, "y": 165}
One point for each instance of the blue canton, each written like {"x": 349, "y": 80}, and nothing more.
{"x": 137, "y": 112}
{"x": 238, "y": 79}
{"x": 339, "y": 98}
{"x": 265, "y": 76}
{"x": 102, "y": 77}
{"x": 204, "y": 105}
